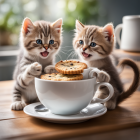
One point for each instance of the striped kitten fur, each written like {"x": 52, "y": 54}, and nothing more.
{"x": 39, "y": 43}
{"x": 94, "y": 45}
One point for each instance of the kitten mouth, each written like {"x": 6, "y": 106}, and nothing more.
{"x": 44, "y": 54}
{"x": 86, "y": 54}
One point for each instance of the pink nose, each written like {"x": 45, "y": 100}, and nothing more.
{"x": 84, "y": 49}
{"x": 46, "y": 46}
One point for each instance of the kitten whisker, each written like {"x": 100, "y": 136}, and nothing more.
{"x": 66, "y": 47}
{"x": 63, "y": 52}
{"x": 59, "y": 56}
{"x": 70, "y": 54}
{"x": 74, "y": 55}
{"x": 71, "y": 50}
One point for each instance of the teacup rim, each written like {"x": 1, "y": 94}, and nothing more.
{"x": 131, "y": 17}
{"x": 66, "y": 81}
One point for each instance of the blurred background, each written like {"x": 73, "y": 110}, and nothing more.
{"x": 97, "y": 12}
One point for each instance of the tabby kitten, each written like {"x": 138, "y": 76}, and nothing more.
{"x": 39, "y": 43}
{"x": 94, "y": 45}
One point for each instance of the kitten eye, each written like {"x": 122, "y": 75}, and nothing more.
{"x": 93, "y": 44}
{"x": 80, "y": 41}
{"x": 51, "y": 42}
{"x": 39, "y": 41}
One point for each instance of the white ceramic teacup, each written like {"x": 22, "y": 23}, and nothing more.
{"x": 130, "y": 39}
{"x": 69, "y": 97}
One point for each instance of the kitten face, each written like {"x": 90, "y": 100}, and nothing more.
{"x": 93, "y": 42}
{"x": 41, "y": 38}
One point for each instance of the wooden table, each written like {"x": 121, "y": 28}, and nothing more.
{"x": 126, "y": 54}
{"x": 121, "y": 123}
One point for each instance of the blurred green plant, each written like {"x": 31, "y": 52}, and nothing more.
{"x": 8, "y": 17}
{"x": 84, "y": 10}
{"x": 12, "y": 13}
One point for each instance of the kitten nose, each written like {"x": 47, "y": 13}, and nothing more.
{"x": 46, "y": 46}
{"x": 84, "y": 49}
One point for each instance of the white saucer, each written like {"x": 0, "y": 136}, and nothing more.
{"x": 91, "y": 111}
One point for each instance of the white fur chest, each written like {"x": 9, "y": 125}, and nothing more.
{"x": 30, "y": 93}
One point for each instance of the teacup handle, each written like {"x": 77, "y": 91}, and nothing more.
{"x": 111, "y": 92}
{"x": 109, "y": 86}
{"x": 92, "y": 71}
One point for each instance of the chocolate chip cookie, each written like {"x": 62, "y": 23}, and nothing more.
{"x": 70, "y": 67}
{"x": 61, "y": 77}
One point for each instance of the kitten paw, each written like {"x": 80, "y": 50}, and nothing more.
{"x": 103, "y": 77}
{"x": 101, "y": 94}
{"x": 50, "y": 69}
{"x": 18, "y": 105}
{"x": 35, "y": 69}
{"x": 110, "y": 104}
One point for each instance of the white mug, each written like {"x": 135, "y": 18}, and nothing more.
{"x": 69, "y": 97}
{"x": 130, "y": 40}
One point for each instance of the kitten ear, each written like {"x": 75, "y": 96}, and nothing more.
{"x": 79, "y": 26}
{"x": 109, "y": 31}
{"x": 27, "y": 25}
{"x": 57, "y": 25}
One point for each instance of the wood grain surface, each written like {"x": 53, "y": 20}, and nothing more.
{"x": 126, "y": 54}
{"x": 16, "y": 125}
